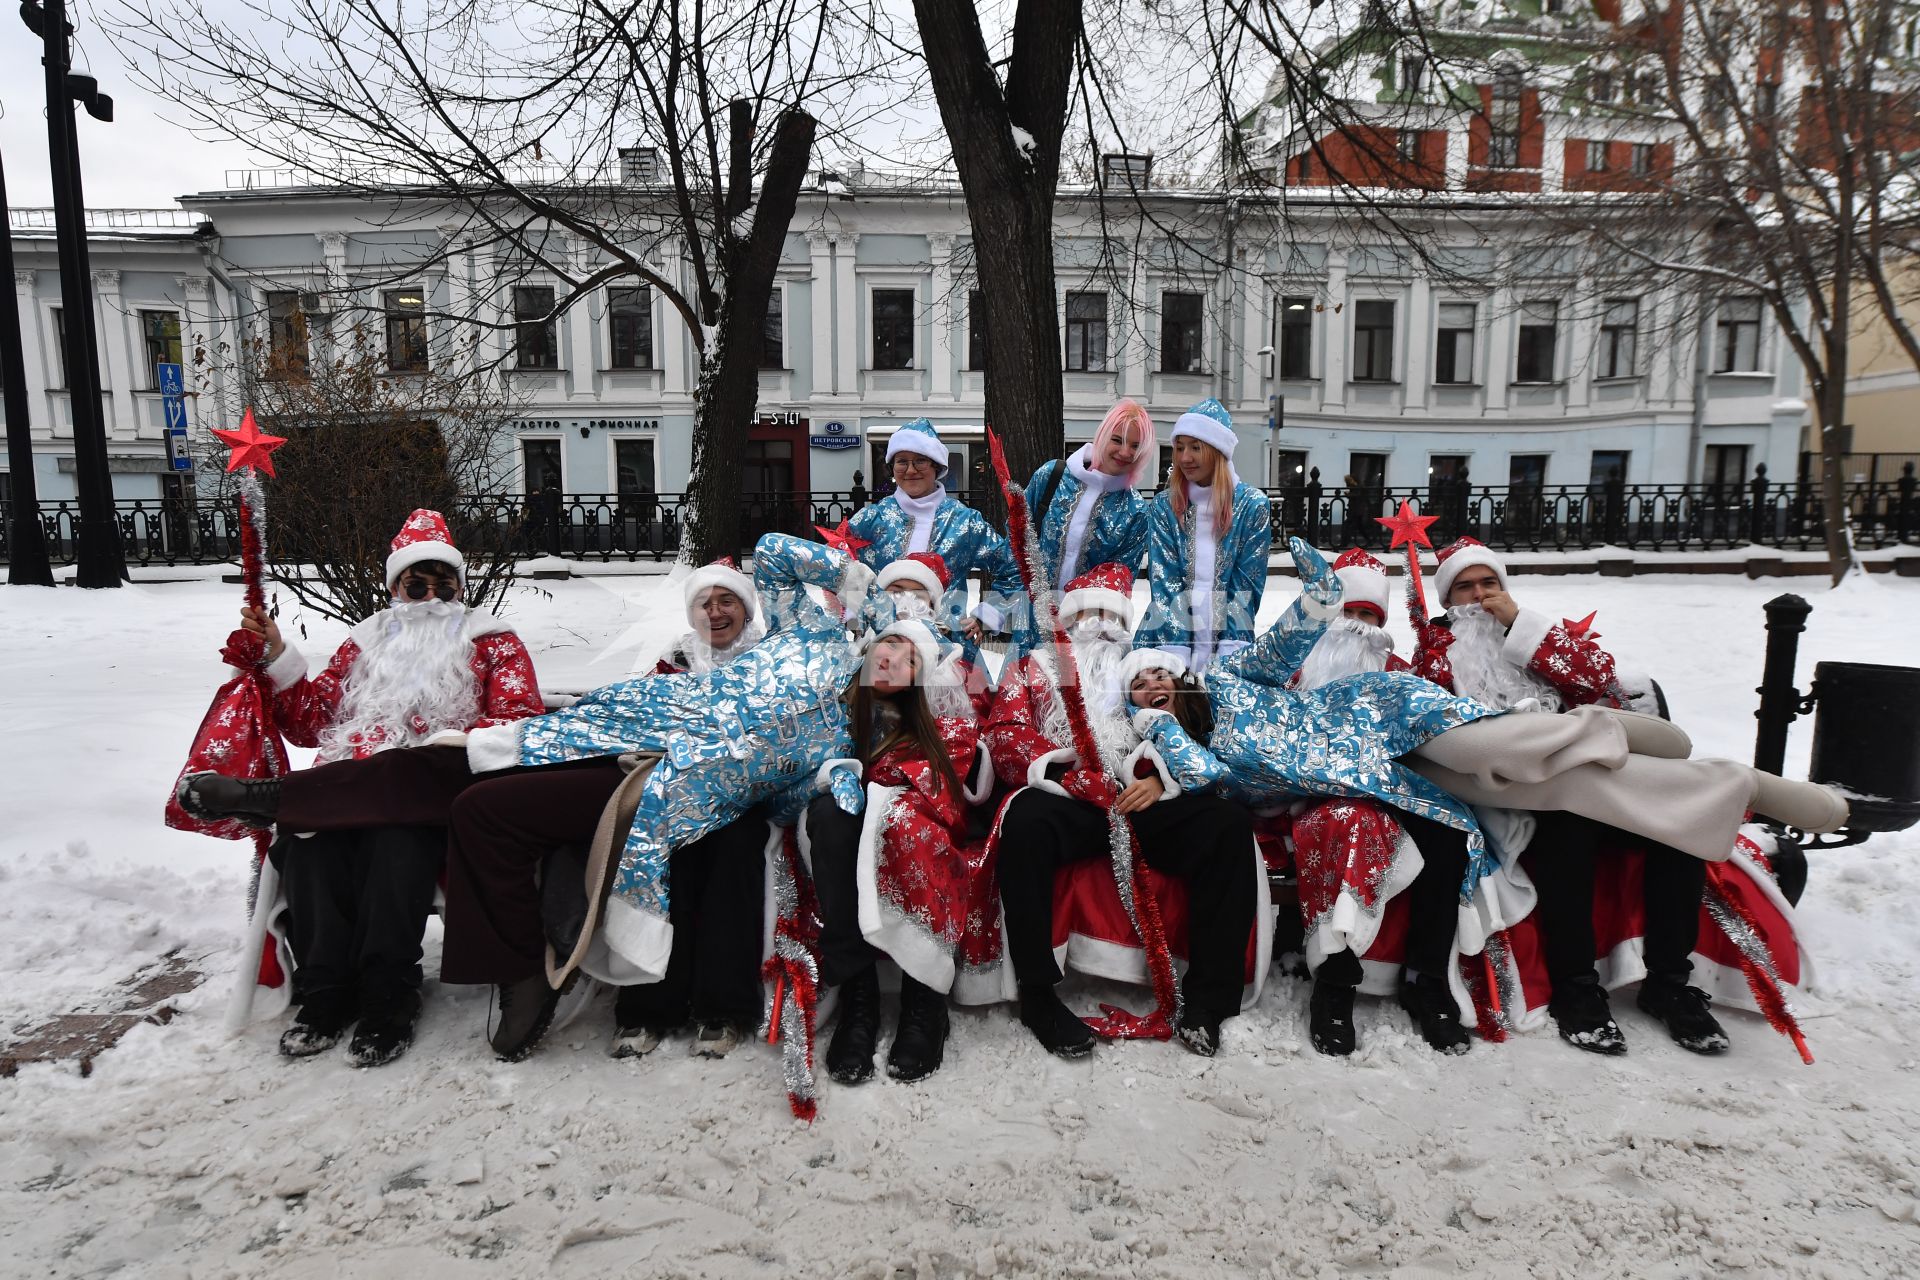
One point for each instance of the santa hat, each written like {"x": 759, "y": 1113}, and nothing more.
{"x": 1210, "y": 423}
{"x": 422, "y": 538}
{"x": 926, "y": 645}
{"x": 1149, "y": 660}
{"x": 922, "y": 437}
{"x": 1464, "y": 553}
{"x": 719, "y": 573}
{"x": 1363, "y": 580}
{"x": 922, "y": 568}
{"x": 1105, "y": 586}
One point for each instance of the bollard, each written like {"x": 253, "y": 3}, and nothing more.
{"x": 1780, "y": 702}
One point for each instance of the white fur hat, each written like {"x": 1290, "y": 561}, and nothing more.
{"x": 1460, "y": 554}
{"x": 719, "y": 573}
{"x": 1105, "y": 586}
{"x": 1363, "y": 580}
{"x": 1148, "y": 660}
{"x": 1210, "y": 423}
{"x": 922, "y": 437}
{"x": 422, "y": 538}
{"x": 923, "y": 568}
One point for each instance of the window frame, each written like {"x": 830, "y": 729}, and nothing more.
{"x": 1281, "y": 344}
{"x": 1727, "y": 331}
{"x": 638, "y": 317}
{"x": 1597, "y": 151}
{"x": 776, "y": 316}
{"x": 1607, "y": 358}
{"x": 1442, "y": 331}
{"x": 1640, "y": 160}
{"x": 539, "y": 332}
{"x": 147, "y": 314}
{"x": 405, "y": 320}
{"x": 1192, "y": 333}
{"x": 1374, "y": 345}
{"x": 979, "y": 349}
{"x": 1089, "y": 327}
{"x": 289, "y": 336}
{"x": 1521, "y": 328}
{"x": 910, "y": 320}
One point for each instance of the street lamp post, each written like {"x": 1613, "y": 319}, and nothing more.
{"x": 27, "y": 562}
{"x": 99, "y": 562}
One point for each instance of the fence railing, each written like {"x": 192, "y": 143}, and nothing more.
{"x": 648, "y": 526}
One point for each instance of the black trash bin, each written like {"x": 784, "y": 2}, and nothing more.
{"x": 1866, "y": 740}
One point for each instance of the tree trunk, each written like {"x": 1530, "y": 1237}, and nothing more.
{"x": 729, "y": 387}
{"x": 1010, "y": 194}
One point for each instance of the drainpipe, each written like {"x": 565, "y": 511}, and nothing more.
{"x": 1695, "y": 428}
{"x": 1221, "y": 382}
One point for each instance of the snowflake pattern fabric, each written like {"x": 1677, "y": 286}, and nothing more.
{"x": 1238, "y": 583}
{"x": 1116, "y": 534}
{"x": 960, "y": 536}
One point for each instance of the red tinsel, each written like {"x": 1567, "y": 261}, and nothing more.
{"x": 1731, "y": 916}
{"x": 794, "y": 970}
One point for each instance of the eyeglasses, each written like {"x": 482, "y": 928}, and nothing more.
{"x": 912, "y": 464}
{"x": 418, "y": 586}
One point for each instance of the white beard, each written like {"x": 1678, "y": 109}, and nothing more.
{"x": 1482, "y": 673}
{"x": 413, "y": 681}
{"x": 1098, "y": 661}
{"x": 1347, "y": 647}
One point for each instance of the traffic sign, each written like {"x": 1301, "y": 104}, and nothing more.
{"x": 176, "y": 413}
{"x": 172, "y": 383}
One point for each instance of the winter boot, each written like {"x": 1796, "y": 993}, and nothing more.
{"x": 1435, "y": 1013}
{"x": 1585, "y": 1020}
{"x": 212, "y": 796}
{"x": 640, "y": 1023}
{"x": 716, "y": 1039}
{"x": 635, "y": 1042}
{"x": 318, "y": 1026}
{"x": 1651, "y": 736}
{"x": 850, "y": 1056}
{"x": 1055, "y": 1026}
{"x": 1200, "y": 1032}
{"x": 385, "y": 1030}
{"x": 1330, "y": 1018}
{"x": 526, "y": 1011}
{"x": 1806, "y": 805}
{"x": 1684, "y": 1011}
{"x": 920, "y": 1040}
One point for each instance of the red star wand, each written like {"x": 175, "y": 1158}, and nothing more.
{"x": 252, "y": 453}
{"x": 842, "y": 539}
{"x": 1410, "y": 531}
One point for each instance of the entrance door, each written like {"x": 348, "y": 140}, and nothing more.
{"x": 774, "y": 480}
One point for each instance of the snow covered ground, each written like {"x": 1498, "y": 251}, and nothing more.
{"x": 189, "y": 1153}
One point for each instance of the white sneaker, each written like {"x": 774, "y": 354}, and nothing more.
{"x": 716, "y": 1040}
{"x": 634, "y": 1042}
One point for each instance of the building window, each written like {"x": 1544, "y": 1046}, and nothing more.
{"x": 976, "y": 330}
{"x": 1087, "y": 332}
{"x": 535, "y": 343}
{"x": 1373, "y": 341}
{"x": 1600, "y": 86}
{"x": 630, "y": 322}
{"x": 161, "y": 329}
{"x": 1539, "y": 326}
{"x": 1736, "y": 342}
{"x": 893, "y": 328}
{"x": 1596, "y": 157}
{"x": 1726, "y": 465}
{"x": 773, "y": 332}
{"x": 1527, "y": 470}
{"x": 1366, "y": 472}
{"x": 1453, "y": 343}
{"x": 286, "y": 332}
{"x": 59, "y": 318}
{"x": 540, "y": 462}
{"x": 633, "y": 473}
{"x": 1643, "y": 159}
{"x": 1413, "y": 73}
{"x": 1609, "y": 469}
{"x": 1619, "y": 326}
{"x": 1407, "y": 146}
{"x": 1296, "y": 337}
{"x": 1766, "y": 99}
{"x": 1503, "y": 121}
{"x": 406, "y": 331}
{"x": 1180, "y": 333}
{"x": 1289, "y": 467}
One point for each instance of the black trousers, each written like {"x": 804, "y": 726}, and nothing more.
{"x": 357, "y": 903}
{"x": 1203, "y": 840}
{"x": 833, "y": 839}
{"x": 718, "y": 885}
{"x": 411, "y": 787}
{"x": 1433, "y": 901}
{"x": 1566, "y": 848}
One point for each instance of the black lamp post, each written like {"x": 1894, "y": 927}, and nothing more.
{"x": 27, "y": 562}
{"x": 100, "y": 562}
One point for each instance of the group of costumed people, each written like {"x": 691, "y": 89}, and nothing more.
{"x": 823, "y": 782}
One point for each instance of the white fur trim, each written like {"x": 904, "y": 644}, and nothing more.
{"x": 909, "y": 440}
{"x": 823, "y": 778}
{"x": 1364, "y": 585}
{"x": 1318, "y": 611}
{"x": 855, "y": 581}
{"x": 1148, "y": 752}
{"x": 641, "y": 939}
{"x": 1089, "y": 598}
{"x": 493, "y": 748}
{"x": 289, "y": 669}
{"x": 1525, "y": 636}
{"x": 1037, "y": 771}
{"x": 926, "y": 645}
{"x": 447, "y": 738}
{"x": 482, "y": 623}
{"x": 1144, "y": 718}
{"x": 914, "y": 571}
{"x": 995, "y": 619}
{"x": 1348, "y": 926}
{"x": 1198, "y": 426}
{"x": 719, "y": 575}
{"x": 1148, "y": 660}
{"x": 906, "y": 941}
{"x": 398, "y": 562}
{"x": 980, "y": 787}
{"x": 1464, "y": 558}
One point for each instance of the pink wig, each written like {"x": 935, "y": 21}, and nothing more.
{"x": 1123, "y": 416}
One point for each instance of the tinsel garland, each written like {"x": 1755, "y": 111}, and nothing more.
{"x": 1732, "y": 918}
{"x": 253, "y": 541}
{"x": 1123, "y": 849}
{"x": 794, "y": 971}
{"x": 1494, "y": 991}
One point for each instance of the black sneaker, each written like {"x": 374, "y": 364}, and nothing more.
{"x": 211, "y": 796}
{"x": 317, "y": 1027}
{"x": 1199, "y": 1033}
{"x": 850, "y": 1055}
{"x": 1684, "y": 1011}
{"x": 1585, "y": 1020}
{"x": 526, "y": 1011}
{"x": 386, "y": 1027}
{"x": 920, "y": 1040}
{"x": 1435, "y": 1013}
{"x": 1330, "y": 1018}
{"x": 1059, "y": 1031}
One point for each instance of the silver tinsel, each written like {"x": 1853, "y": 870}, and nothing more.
{"x": 795, "y": 1020}
{"x": 1744, "y": 939}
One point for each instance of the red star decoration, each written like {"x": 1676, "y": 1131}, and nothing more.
{"x": 842, "y": 539}
{"x": 1408, "y": 529}
{"x": 1583, "y": 629}
{"x": 251, "y": 446}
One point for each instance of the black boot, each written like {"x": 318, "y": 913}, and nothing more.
{"x": 1200, "y": 1032}
{"x": 1435, "y": 1013}
{"x": 319, "y": 1024}
{"x": 1330, "y": 1017}
{"x": 212, "y": 796}
{"x": 850, "y": 1056}
{"x": 1684, "y": 1011}
{"x": 1054, "y": 1025}
{"x": 1585, "y": 1020}
{"x": 526, "y": 1011}
{"x": 920, "y": 1040}
{"x": 386, "y": 1028}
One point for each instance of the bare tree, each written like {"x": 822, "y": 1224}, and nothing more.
{"x": 660, "y": 143}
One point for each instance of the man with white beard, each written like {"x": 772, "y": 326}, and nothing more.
{"x": 1059, "y": 815}
{"x": 1358, "y": 639}
{"x": 361, "y": 835}
{"x": 1490, "y": 649}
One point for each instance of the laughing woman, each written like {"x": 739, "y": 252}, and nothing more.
{"x": 1208, "y": 536}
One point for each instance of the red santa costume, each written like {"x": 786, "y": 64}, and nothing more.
{"x": 928, "y": 571}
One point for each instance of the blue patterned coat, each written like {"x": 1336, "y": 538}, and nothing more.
{"x": 757, "y": 729}
{"x": 960, "y": 536}
{"x": 1342, "y": 739}
{"x": 1239, "y": 577}
{"x": 1185, "y": 763}
{"x": 1116, "y": 532}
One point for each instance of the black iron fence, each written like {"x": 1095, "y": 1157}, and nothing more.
{"x": 607, "y": 527}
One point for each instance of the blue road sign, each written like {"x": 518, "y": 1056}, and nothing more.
{"x": 171, "y": 381}
{"x": 176, "y": 411}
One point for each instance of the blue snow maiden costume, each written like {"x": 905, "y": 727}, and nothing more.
{"x": 1206, "y": 588}
{"x": 1093, "y": 518}
{"x": 898, "y": 525}
{"x": 756, "y": 729}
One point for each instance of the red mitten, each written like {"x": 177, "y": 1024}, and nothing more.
{"x": 1094, "y": 787}
{"x": 244, "y": 650}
